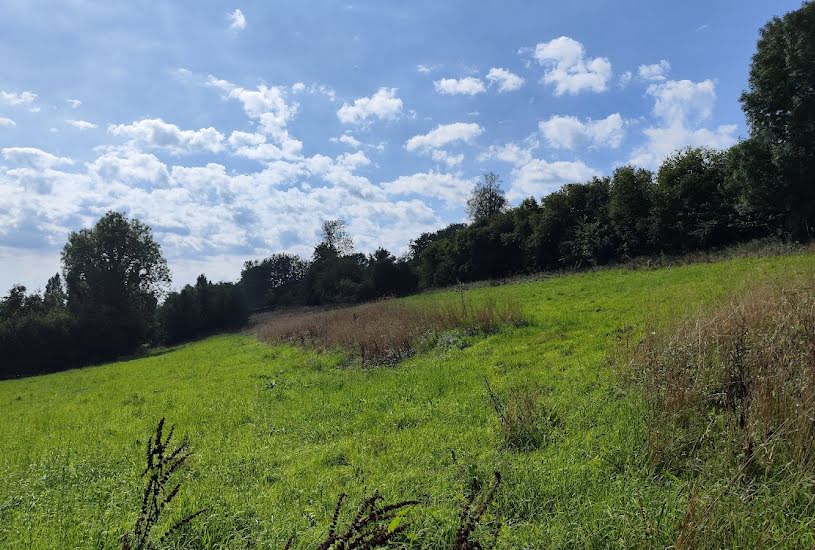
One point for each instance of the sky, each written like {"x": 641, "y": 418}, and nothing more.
{"x": 235, "y": 128}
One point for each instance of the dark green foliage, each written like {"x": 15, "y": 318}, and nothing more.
{"x": 115, "y": 275}
{"x": 276, "y": 280}
{"x": 780, "y": 109}
{"x": 202, "y": 309}
{"x": 691, "y": 207}
{"x": 631, "y": 198}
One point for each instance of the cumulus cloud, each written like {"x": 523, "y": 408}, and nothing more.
{"x": 445, "y": 134}
{"x": 568, "y": 68}
{"x": 657, "y": 72}
{"x": 383, "y": 105}
{"x": 505, "y": 80}
{"x": 80, "y": 124}
{"x": 464, "y": 86}
{"x": 74, "y": 103}
{"x": 34, "y": 158}
{"x": 453, "y": 190}
{"x": 19, "y": 99}
{"x": 7, "y": 122}
{"x": 536, "y": 177}
{"x": 269, "y": 108}
{"x": 425, "y": 69}
{"x": 568, "y": 132}
{"x": 347, "y": 139}
{"x": 154, "y": 133}
{"x": 237, "y": 21}
{"x": 681, "y": 107}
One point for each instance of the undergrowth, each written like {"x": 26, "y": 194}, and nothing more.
{"x": 388, "y": 331}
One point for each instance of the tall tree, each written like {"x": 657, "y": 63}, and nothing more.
{"x": 487, "y": 198}
{"x": 780, "y": 109}
{"x": 115, "y": 274}
{"x": 629, "y": 208}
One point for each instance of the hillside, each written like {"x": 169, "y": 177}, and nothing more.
{"x": 278, "y": 432}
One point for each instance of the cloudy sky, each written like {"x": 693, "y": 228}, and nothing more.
{"x": 234, "y": 129}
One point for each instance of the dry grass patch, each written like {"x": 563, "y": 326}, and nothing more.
{"x": 742, "y": 377}
{"x": 389, "y": 330}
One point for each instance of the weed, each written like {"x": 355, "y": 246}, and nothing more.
{"x": 162, "y": 464}
{"x": 471, "y": 515}
{"x": 526, "y": 421}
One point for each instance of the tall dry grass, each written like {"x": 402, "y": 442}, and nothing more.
{"x": 389, "y": 330}
{"x": 742, "y": 376}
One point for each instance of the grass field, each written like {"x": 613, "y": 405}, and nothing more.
{"x": 278, "y": 432}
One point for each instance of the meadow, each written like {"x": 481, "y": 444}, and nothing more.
{"x": 278, "y": 431}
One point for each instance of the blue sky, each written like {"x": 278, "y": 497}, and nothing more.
{"x": 235, "y": 128}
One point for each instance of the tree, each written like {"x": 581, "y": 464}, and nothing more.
{"x": 276, "y": 280}
{"x": 487, "y": 198}
{"x": 335, "y": 236}
{"x": 629, "y": 208}
{"x": 780, "y": 110}
{"x": 691, "y": 205}
{"x": 115, "y": 275}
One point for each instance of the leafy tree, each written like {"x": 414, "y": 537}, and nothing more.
{"x": 335, "y": 236}
{"x": 276, "y": 280}
{"x": 692, "y": 209}
{"x": 629, "y": 209}
{"x": 115, "y": 274}
{"x": 487, "y": 198}
{"x": 780, "y": 109}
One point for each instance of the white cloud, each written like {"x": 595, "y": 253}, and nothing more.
{"x": 81, "y": 124}
{"x": 681, "y": 107}
{"x": 464, "y": 86}
{"x": 625, "y": 79}
{"x": 425, "y": 69}
{"x": 657, "y": 72}
{"x": 34, "y": 158}
{"x": 130, "y": 167}
{"x": 445, "y": 134}
{"x": 568, "y": 132}
{"x": 347, "y": 139}
{"x": 453, "y": 190}
{"x": 74, "y": 103}
{"x": 237, "y": 21}
{"x": 267, "y": 106}
{"x": 7, "y": 122}
{"x": 568, "y": 68}
{"x": 505, "y": 80}
{"x": 154, "y": 133}
{"x": 21, "y": 99}
{"x": 384, "y": 105}
{"x": 535, "y": 177}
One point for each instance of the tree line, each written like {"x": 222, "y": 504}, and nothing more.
{"x": 111, "y": 297}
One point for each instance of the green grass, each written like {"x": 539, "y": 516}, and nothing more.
{"x": 278, "y": 432}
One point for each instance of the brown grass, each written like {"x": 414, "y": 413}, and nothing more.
{"x": 742, "y": 377}
{"x": 390, "y": 330}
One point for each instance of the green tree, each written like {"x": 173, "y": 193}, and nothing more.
{"x": 629, "y": 208}
{"x": 486, "y": 199}
{"x": 115, "y": 274}
{"x": 780, "y": 109}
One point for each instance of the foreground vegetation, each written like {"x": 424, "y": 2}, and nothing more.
{"x": 278, "y": 432}
{"x": 112, "y": 298}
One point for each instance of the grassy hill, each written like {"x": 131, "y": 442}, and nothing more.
{"x": 279, "y": 432}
